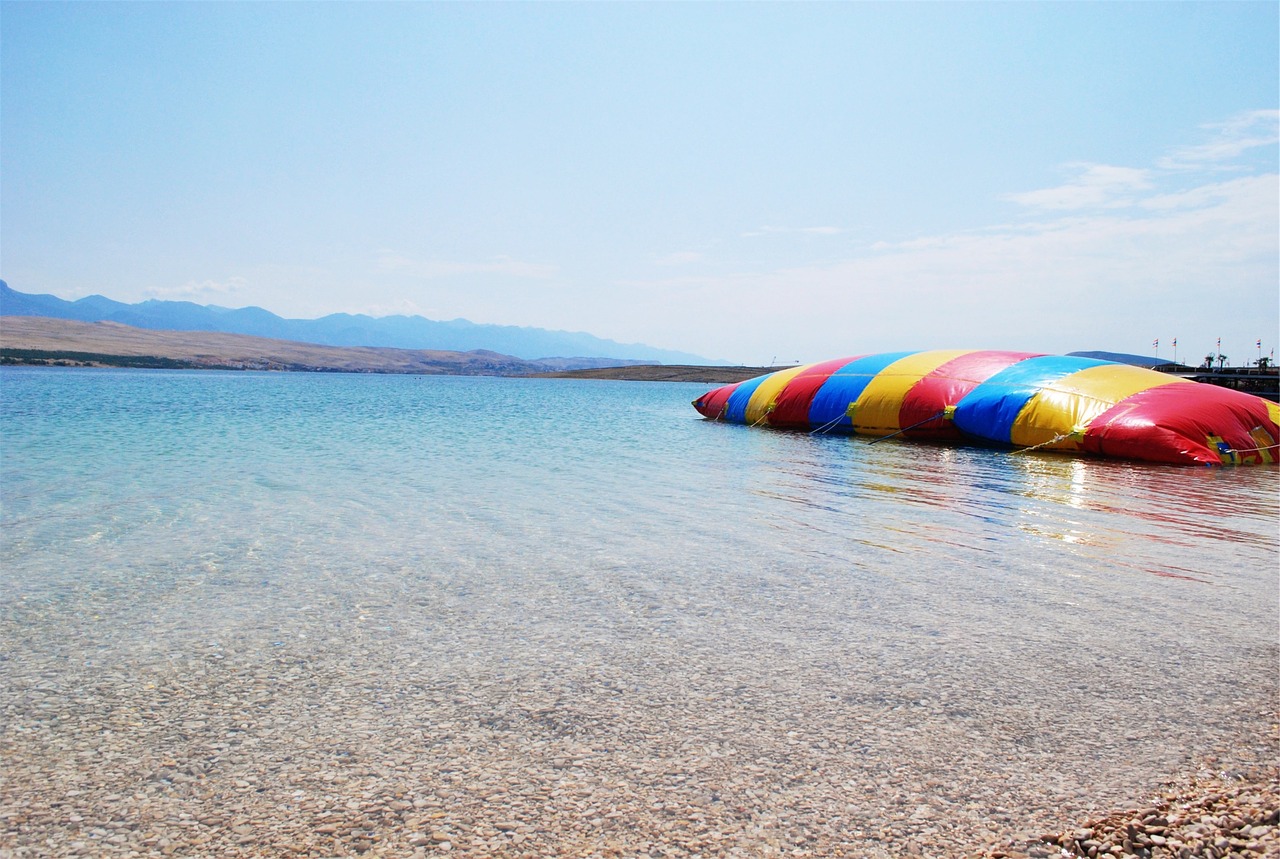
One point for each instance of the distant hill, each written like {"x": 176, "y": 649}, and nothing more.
{"x": 344, "y": 329}
{"x": 41, "y": 340}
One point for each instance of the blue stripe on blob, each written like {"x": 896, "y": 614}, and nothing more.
{"x": 989, "y": 410}
{"x": 844, "y": 386}
{"x": 736, "y": 409}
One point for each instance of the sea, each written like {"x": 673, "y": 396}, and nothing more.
{"x": 1054, "y": 630}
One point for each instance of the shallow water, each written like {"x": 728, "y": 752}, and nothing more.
{"x": 803, "y": 634}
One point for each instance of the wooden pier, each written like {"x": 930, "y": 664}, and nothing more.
{"x": 1262, "y": 381}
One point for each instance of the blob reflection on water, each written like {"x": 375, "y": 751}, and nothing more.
{"x": 972, "y": 499}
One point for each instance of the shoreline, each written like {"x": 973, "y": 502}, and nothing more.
{"x": 710, "y": 375}
{"x": 40, "y": 342}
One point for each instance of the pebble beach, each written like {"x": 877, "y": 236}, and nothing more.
{"x": 349, "y": 746}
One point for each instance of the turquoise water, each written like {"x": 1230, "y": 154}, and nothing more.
{"x": 1073, "y": 628}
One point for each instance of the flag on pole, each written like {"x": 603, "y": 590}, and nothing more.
{"x": 1156, "y": 342}
{"x": 1175, "y": 341}
{"x": 1259, "y": 342}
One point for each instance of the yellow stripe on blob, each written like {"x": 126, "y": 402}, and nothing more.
{"x": 1058, "y": 416}
{"x": 876, "y": 410}
{"x": 765, "y": 396}
{"x": 1267, "y": 450}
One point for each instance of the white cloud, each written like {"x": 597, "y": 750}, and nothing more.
{"x": 1258, "y": 189}
{"x": 431, "y": 269}
{"x": 205, "y": 291}
{"x": 680, "y": 258}
{"x": 775, "y": 231}
{"x": 1194, "y": 264}
{"x": 1229, "y": 140}
{"x": 1095, "y": 186}
{"x": 401, "y": 307}
{"x": 1102, "y": 186}
{"x": 1196, "y": 235}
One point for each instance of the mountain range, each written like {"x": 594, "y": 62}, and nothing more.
{"x": 345, "y": 329}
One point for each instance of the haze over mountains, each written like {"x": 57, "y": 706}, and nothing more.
{"x": 342, "y": 329}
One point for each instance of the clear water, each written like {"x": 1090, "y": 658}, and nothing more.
{"x": 959, "y": 621}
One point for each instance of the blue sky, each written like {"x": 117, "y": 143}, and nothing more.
{"x": 745, "y": 181}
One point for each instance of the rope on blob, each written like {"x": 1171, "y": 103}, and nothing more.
{"x": 940, "y": 414}
{"x": 1053, "y": 440}
{"x": 829, "y": 425}
{"x": 1252, "y": 449}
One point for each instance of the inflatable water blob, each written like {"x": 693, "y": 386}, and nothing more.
{"x": 1011, "y": 399}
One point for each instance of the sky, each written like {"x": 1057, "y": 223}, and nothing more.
{"x": 750, "y": 182}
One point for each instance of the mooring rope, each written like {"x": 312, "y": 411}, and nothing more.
{"x": 940, "y": 414}
{"x": 1252, "y": 449}
{"x": 1053, "y": 440}
{"x": 828, "y": 425}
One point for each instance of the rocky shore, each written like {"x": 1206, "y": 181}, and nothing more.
{"x": 220, "y": 754}
{"x": 204, "y": 809}
{"x": 1210, "y": 815}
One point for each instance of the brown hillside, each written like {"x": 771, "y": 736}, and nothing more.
{"x": 215, "y": 349}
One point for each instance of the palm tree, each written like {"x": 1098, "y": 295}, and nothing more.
{"x": 1222, "y": 360}
{"x": 1208, "y": 361}
{"x": 1263, "y": 363}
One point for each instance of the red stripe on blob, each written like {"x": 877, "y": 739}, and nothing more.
{"x": 712, "y": 404}
{"x": 1173, "y": 423}
{"x": 946, "y": 386}
{"x": 791, "y": 410}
